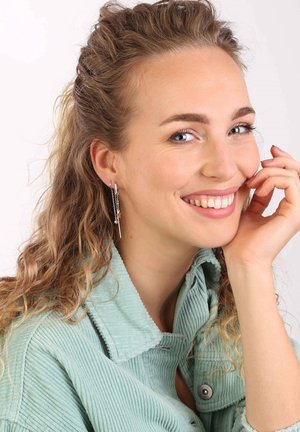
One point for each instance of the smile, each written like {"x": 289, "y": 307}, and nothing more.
{"x": 209, "y": 201}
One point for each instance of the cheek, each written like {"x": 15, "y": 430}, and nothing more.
{"x": 250, "y": 161}
{"x": 176, "y": 169}
{"x": 165, "y": 170}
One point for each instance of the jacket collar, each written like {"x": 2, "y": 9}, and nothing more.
{"x": 119, "y": 314}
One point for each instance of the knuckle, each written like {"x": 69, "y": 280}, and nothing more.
{"x": 295, "y": 174}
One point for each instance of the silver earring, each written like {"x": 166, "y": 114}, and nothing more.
{"x": 247, "y": 203}
{"x": 116, "y": 205}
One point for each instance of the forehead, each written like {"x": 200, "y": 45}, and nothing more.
{"x": 189, "y": 79}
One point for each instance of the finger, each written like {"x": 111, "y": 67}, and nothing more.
{"x": 259, "y": 204}
{"x": 289, "y": 184}
{"x": 278, "y": 151}
{"x": 267, "y": 172}
{"x": 282, "y": 162}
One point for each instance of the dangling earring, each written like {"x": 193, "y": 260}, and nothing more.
{"x": 116, "y": 205}
{"x": 247, "y": 203}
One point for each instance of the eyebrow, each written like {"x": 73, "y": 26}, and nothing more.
{"x": 202, "y": 118}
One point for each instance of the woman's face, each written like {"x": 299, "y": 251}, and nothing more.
{"x": 188, "y": 140}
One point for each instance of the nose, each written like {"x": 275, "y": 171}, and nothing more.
{"x": 219, "y": 162}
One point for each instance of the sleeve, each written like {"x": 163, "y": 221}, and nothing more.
{"x": 245, "y": 426}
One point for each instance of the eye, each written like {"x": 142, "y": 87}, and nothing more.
{"x": 242, "y": 129}
{"x": 182, "y": 136}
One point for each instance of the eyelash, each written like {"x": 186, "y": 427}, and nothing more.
{"x": 249, "y": 128}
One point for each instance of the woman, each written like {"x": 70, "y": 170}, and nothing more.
{"x": 144, "y": 301}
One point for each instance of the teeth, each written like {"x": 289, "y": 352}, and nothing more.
{"x": 216, "y": 202}
{"x": 210, "y": 202}
{"x": 204, "y": 203}
{"x": 224, "y": 202}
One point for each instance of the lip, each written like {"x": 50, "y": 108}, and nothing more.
{"x": 214, "y": 192}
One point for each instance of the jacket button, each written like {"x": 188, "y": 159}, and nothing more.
{"x": 205, "y": 391}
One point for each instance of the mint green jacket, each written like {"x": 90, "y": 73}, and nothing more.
{"x": 114, "y": 371}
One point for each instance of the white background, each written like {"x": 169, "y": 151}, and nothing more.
{"x": 39, "y": 48}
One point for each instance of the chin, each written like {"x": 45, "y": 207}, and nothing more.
{"x": 216, "y": 240}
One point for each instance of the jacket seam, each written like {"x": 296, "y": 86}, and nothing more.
{"x": 23, "y": 368}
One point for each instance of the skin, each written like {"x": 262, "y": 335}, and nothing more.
{"x": 161, "y": 233}
{"x": 153, "y": 173}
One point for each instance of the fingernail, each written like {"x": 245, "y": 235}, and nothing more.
{"x": 278, "y": 148}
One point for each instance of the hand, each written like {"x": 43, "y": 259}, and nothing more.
{"x": 260, "y": 238}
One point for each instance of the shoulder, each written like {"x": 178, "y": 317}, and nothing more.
{"x": 50, "y": 333}
{"x": 45, "y": 359}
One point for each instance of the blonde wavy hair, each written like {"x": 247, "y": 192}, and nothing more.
{"x": 74, "y": 225}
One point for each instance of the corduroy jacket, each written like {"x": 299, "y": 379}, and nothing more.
{"x": 114, "y": 371}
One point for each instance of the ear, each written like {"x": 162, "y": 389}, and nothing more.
{"x": 103, "y": 160}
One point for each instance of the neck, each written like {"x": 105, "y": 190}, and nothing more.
{"x": 157, "y": 271}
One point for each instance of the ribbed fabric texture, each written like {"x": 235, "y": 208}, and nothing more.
{"x": 114, "y": 371}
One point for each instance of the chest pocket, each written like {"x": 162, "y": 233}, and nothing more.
{"x": 216, "y": 384}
